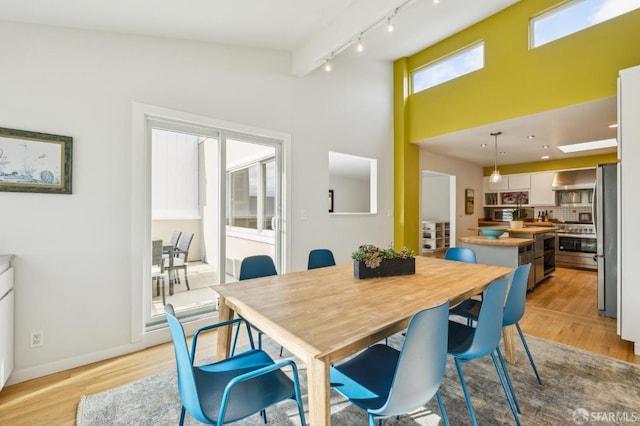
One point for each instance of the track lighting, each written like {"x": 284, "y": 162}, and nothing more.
{"x": 356, "y": 39}
{"x": 359, "y": 45}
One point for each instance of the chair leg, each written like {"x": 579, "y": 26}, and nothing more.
{"x": 182, "y": 412}
{"x": 504, "y": 388}
{"x": 235, "y": 340}
{"x": 506, "y": 375}
{"x": 164, "y": 301}
{"x": 472, "y": 414}
{"x": 445, "y": 419}
{"x": 526, "y": 348}
{"x": 371, "y": 420}
{"x": 186, "y": 280}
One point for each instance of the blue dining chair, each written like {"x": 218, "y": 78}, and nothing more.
{"x": 257, "y": 266}
{"x": 320, "y": 258}
{"x": 461, "y": 254}
{"x": 513, "y": 312}
{"x": 467, "y": 343}
{"x": 231, "y": 389}
{"x": 386, "y": 382}
{"x": 254, "y": 267}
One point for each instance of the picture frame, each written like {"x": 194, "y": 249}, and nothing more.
{"x": 469, "y": 201}
{"x": 331, "y": 201}
{"x": 35, "y": 162}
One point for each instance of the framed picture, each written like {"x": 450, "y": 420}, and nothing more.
{"x": 35, "y": 162}
{"x": 331, "y": 201}
{"x": 468, "y": 201}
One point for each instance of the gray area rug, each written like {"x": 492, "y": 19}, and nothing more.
{"x": 578, "y": 388}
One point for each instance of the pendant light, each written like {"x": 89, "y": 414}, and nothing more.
{"x": 495, "y": 176}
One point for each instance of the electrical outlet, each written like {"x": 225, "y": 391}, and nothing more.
{"x": 37, "y": 339}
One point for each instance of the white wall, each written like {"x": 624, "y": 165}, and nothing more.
{"x": 350, "y": 194}
{"x": 468, "y": 176}
{"x": 74, "y": 252}
{"x": 435, "y": 197}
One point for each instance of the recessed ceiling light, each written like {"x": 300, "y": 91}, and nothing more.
{"x": 545, "y": 146}
{"x": 613, "y": 126}
{"x": 531, "y": 136}
{"x": 502, "y": 153}
{"x": 484, "y": 145}
{"x": 545, "y": 157}
{"x": 586, "y": 146}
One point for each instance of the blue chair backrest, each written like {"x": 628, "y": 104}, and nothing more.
{"x": 319, "y": 258}
{"x": 186, "y": 379}
{"x": 489, "y": 324}
{"x": 461, "y": 254}
{"x": 422, "y": 362}
{"x": 514, "y": 308}
{"x": 256, "y": 267}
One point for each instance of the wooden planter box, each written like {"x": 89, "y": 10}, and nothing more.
{"x": 388, "y": 267}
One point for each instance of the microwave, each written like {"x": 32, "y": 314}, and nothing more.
{"x": 502, "y": 215}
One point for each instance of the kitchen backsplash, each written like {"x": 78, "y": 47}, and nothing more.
{"x": 563, "y": 214}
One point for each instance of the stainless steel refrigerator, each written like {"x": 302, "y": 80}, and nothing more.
{"x": 605, "y": 219}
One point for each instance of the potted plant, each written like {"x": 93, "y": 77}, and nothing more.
{"x": 370, "y": 261}
{"x": 518, "y": 215}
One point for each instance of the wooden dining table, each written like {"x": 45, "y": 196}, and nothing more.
{"x": 325, "y": 315}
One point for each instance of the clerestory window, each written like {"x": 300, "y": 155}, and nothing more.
{"x": 574, "y": 16}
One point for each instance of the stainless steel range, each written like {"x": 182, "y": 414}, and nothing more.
{"x": 576, "y": 246}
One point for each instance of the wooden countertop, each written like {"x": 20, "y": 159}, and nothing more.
{"x": 527, "y": 224}
{"x": 525, "y": 230}
{"x": 532, "y": 230}
{"x": 503, "y": 241}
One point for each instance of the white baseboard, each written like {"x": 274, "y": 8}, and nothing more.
{"x": 18, "y": 376}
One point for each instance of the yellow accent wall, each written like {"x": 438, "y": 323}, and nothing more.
{"x": 515, "y": 81}
{"x": 543, "y": 166}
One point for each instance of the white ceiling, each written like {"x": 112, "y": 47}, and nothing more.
{"x": 584, "y": 122}
{"x": 312, "y": 30}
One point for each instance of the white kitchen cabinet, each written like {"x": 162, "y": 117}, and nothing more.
{"x": 521, "y": 181}
{"x": 541, "y": 193}
{"x": 434, "y": 236}
{"x": 495, "y": 193}
{"x": 6, "y": 319}
{"x": 629, "y": 205}
{"x": 497, "y": 186}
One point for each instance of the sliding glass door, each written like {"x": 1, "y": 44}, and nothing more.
{"x": 220, "y": 192}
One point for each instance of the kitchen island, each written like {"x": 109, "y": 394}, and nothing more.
{"x": 504, "y": 251}
{"x": 543, "y": 263}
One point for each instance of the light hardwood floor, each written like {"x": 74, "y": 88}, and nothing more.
{"x": 561, "y": 308}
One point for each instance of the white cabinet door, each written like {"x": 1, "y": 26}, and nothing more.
{"x": 541, "y": 193}
{"x": 629, "y": 205}
{"x": 498, "y": 186}
{"x": 519, "y": 181}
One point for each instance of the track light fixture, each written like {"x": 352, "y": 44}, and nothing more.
{"x": 359, "y": 45}
{"x": 390, "y": 26}
{"x": 327, "y": 65}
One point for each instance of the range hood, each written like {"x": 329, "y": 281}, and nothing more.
{"x": 571, "y": 180}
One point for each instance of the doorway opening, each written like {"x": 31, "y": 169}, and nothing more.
{"x": 437, "y": 212}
